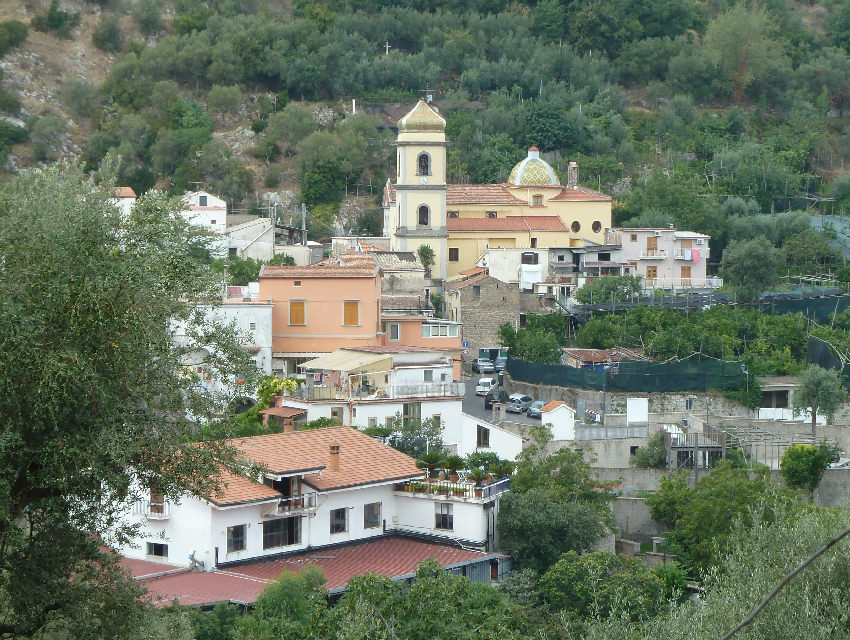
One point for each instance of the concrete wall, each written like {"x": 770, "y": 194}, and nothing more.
{"x": 834, "y": 489}
{"x": 633, "y": 520}
{"x": 613, "y": 453}
{"x": 632, "y": 478}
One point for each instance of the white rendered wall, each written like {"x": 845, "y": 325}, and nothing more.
{"x": 563, "y": 422}
{"x": 463, "y": 434}
{"x": 416, "y": 514}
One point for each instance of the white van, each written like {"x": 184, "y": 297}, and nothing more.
{"x": 484, "y": 385}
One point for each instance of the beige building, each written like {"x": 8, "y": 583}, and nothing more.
{"x": 460, "y": 222}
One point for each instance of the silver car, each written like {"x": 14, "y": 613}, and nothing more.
{"x": 482, "y": 365}
{"x": 534, "y": 409}
{"x": 517, "y": 403}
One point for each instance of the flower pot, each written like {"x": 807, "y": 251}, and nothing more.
{"x": 479, "y": 492}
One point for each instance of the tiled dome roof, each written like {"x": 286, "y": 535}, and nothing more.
{"x": 533, "y": 170}
{"x": 422, "y": 118}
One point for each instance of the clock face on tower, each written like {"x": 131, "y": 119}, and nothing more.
{"x": 423, "y": 180}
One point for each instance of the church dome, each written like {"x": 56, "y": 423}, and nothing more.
{"x": 533, "y": 170}
{"x": 422, "y": 117}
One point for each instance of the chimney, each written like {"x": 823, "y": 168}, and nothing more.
{"x": 334, "y": 463}
{"x": 572, "y": 174}
{"x": 288, "y": 425}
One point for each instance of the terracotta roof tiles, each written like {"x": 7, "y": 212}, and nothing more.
{"x": 284, "y": 412}
{"x": 580, "y": 193}
{"x": 359, "y": 270}
{"x": 551, "y": 406}
{"x": 236, "y": 489}
{"x": 124, "y": 192}
{"x": 480, "y": 194}
{"x": 508, "y": 224}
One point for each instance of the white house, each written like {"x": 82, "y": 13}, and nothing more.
{"x": 125, "y": 200}
{"x": 561, "y": 417}
{"x": 471, "y": 434}
{"x": 205, "y": 210}
{"x": 320, "y": 487}
{"x": 368, "y": 386}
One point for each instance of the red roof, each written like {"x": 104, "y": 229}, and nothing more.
{"x": 283, "y": 412}
{"x": 473, "y": 272}
{"x": 543, "y": 223}
{"x": 551, "y": 406}
{"x": 394, "y": 558}
{"x": 124, "y": 192}
{"x": 237, "y": 489}
{"x": 359, "y": 270}
{"x": 580, "y": 193}
{"x": 468, "y": 281}
{"x": 140, "y": 568}
{"x": 480, "y": 194}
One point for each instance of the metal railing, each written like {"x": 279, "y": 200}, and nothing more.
{"x": 652, "y": 254}
{"x": 611, "y": 433}
{"x": 434, "y": 390}
{"x": 444, "y": 489}
{"x": 681, "y": 283}
{"x": 152, "y": 510}
{"x": 304, "y": 502}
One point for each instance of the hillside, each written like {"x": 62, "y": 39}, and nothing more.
{"x": 691, "y": 113}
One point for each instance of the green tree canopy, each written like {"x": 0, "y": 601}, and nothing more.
{"x": 751, "y": 266}
{"x": 609, "y": 289}
{"x": 803, "y": 465}
{"x": 820, "y": 391}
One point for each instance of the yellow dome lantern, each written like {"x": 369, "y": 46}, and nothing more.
{"x": 422, "y": 117}
{"x": 533, "y": 171}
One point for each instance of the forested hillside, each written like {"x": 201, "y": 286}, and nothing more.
{"x": 688, "y": 112}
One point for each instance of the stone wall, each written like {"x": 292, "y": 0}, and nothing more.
{"x": 634, "y": 521}
{"x": 631, "y": 477}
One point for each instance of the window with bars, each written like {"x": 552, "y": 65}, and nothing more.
{"x": 297, "y": 312}
{"x": 453, "y": 254}
{"x": 444, "y": 516}
{"x": 351, "y": 313}
{"x": 339, "y": 520}
{"x": 236, "y": 538}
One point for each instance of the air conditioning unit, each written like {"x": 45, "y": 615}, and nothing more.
{"x": 699, "y": 240}
{"x": 657, "y": 234}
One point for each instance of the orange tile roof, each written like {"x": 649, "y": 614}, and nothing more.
{"x": 480, "y": 194}
{"x": 508, "y": 223}
{"x": 468, "y": 281}
{"x": 551, "y": 406}
{"x": 543, "y": 223}
{"x": 285, "y": 412}
{"x": 473, "y": 272}
{"x": 358, "y": 270}
{"x": 236, "y": 489}
{"x": 124, "y": 192}
{"x": 580, "y": 193}
{"x": 362, "y": 460}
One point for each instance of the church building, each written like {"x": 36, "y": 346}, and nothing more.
{"x": 460, "y": 222}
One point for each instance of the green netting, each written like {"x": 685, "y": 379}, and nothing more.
{"x": 818, "y": 309}
{"x": 687, "y": 375}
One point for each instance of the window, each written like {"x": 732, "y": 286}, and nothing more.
{"x": 231, "y": 251}
{"x": 453, "y": 254}
{"x": 423, "y": 165}
{"x": 482, "y": 437}
{"x": 388, "y": 422}
{"x": 373, "y": 423}
{"x": 395, "y": 331}
{"x": 339, "y": 520}
{"x": 437, "y": 418}
{"x": 424, "y": 216}
{"x": 596, "y": 226}
{"x": 491, "y": 214}
{"x": 212, "y": 221}
{"x": 297, "y": 312}
{"x": 529, "y": 257}
{"x": 560, "y": 257}
{"x": 534, "y": 243}
{"x": 604, "y": 257}
{"x": 651, "y": 272}
{"x": 351, "y": 313}
{"x": 522, "y": 320}
{"x": 252, "y": 323}
{"x": 575, "y": 226}
{"x": 202, "y": 201}
{"x": 476, "y": 291}
{"x": 452, "y": 214}
{"x": 689, "y": 404}
{"x": 633, "y": 451}
{"x": 157, "y": 549}
{"x": 282, "y": 532}
{"x": 236, "y": 538}
{"x": 632, "y": 237}
{"x": 411, "y": 411}
{"x": 537, "y": 201}
{"x": 444, "y": 518}
{"x": 297, "y": 283}
{"x": 428, "y": 375}
{"x": 372, "y": 515}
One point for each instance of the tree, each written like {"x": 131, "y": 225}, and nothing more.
{"x": 555, "y": 497}
{"x": 148, "y": 15}
{"x": 803, "y": 465}
{"x": 93, "y": 395}
{"x": 224, "y": 99}
{"x": 820, "y": 390}
{"x": 81, "y": 97}
{"x": 12, "y": 33}
{"x": 751, "y": 266}
{"x": 45, "y": 135}
{"x": 653, "y": 455}
{"x": 609, "y": 289}
{"x": 107, "y": 36}
{"x": 282, "y": 259}
{"x": 427, "y": 257}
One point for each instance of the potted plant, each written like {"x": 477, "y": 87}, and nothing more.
{"x": 430, "y": 461}
{"x": 453, "y": 464}
{"x": 477, "y": 475}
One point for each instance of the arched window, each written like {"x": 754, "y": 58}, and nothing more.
{"x": 452, "y": 214}
{"x": 423, "y": 165}
{"x": 424, "y": 216}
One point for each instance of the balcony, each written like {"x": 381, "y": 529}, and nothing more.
{"x": 152, "y": 510}
{"x": 446, "y": 490}
{"x": 304, "y": 503}
{"x": 680, "y": 254}
{"x": 652, "y": 254}
{"x": 364, "y": 392}
{"x": 683, "y": 284}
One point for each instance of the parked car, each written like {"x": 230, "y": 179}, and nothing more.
{"x": 534, "y": 408}
{"x": 517, "y": 403}
{"x": 500, "y": 363}
{"x": 484, "y": 385}
{"x": 482, "y": 365}
{"x": 495, "y": 395}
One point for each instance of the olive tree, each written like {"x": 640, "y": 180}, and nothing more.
{"x": 96, "y": 406}
{"x": 820, "y": 390}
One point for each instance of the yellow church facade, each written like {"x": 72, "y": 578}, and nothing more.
{"x": 531, "y": 210}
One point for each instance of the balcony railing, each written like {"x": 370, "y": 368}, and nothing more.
{"x": 441, "y": 489}
{"x": 682, "y": 283}
{"x": 305, "y": 502}
{"x": 653, "y": 254}
{"x": 433, "y": 390}
{"x": 152, "y": 510}
{"x": 680, "y": 254}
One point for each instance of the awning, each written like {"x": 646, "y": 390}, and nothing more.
{"x": 351, "y": 361}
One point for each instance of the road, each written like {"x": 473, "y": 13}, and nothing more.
{"x": 474, "y": 405}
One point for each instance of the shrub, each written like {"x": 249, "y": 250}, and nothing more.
{"x": 224, "y": 99}
{"x": 80, "y": 96}
{"x": 107, "y": 36}
{"x": 12, "y": 33}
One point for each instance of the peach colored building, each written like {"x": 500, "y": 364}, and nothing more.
{"x": 320, "y": 308}
{"x": 422, "y": 331}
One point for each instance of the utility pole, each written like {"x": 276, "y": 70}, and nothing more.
{"x": 304, "y": 224}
